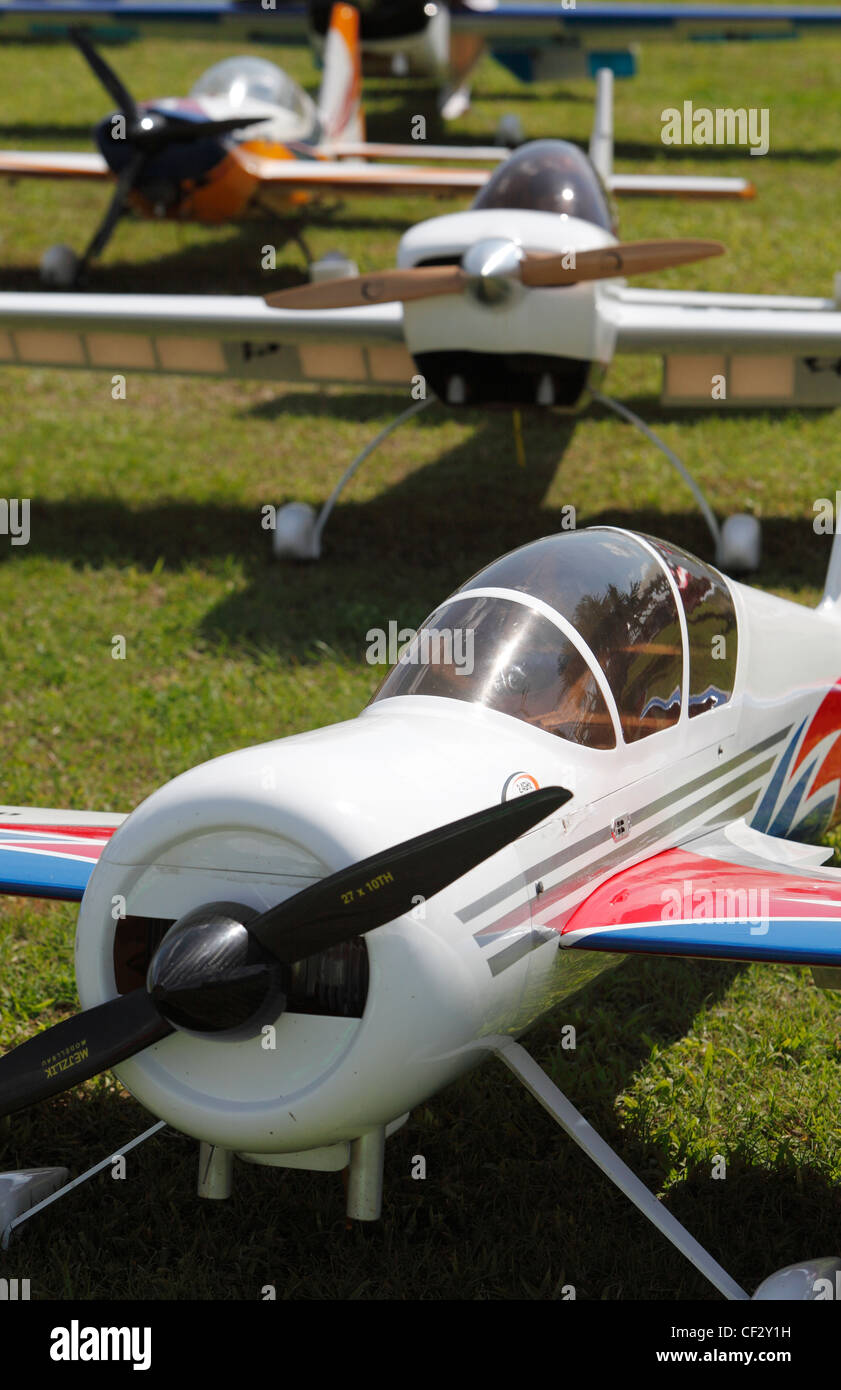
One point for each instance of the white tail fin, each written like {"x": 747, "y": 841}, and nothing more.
{"x": 340, "y": 98}
{"x": 601, "y": 139}
{"x": 831, "y": 601}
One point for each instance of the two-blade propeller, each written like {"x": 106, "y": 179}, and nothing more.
{"x": 223, "y": 969}
{"x": 146, "y": 131}
{"x": 535, "y": 268}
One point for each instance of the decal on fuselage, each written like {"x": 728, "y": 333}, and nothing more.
{"x": 803, "y": 798}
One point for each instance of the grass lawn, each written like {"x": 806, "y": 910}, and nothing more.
{"x": 146, "y": 523}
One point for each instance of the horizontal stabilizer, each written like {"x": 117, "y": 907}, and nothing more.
{"x": 679, "y": 186}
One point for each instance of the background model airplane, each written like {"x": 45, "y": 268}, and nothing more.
{"x": 653, "y": 763}
{"x": 518, "y": 302}
{"x": 246, "y": 142}
{"x": 554, "y": 42}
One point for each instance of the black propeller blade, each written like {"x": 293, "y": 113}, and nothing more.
{"x": 222, "y": 969}
{"x": 368, "y": 894}
{"x": 179, "y": 131}
{"x": 78, "y": 1048}
{"x": 113, "y": 85}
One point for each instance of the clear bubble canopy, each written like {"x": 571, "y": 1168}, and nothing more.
{"x": 242, "y": 82}
{"x": 581, "y": 635}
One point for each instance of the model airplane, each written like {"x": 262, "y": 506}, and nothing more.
{"x": 554, "y": 42}
{"x": 518, "y": 302}
{"x": 285, "y": 950}
{"x": 246, "y": 142}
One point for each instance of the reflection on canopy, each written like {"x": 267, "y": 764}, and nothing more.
{"x": 243, "y": 81}
{"x": 617, "y": 596}
{"x": 549, "y": 176}
{"x": 520, "y": 664}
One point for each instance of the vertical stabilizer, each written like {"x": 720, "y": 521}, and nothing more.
{"x": 601, "y": 139}
{"x": 340, "y": 98}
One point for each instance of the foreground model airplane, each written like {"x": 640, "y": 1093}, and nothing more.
{"x": 654, "y": 743}
{"x": 517, "y": 302}
{"x": 246, "y": 142}
{"x": 553, "y": 42}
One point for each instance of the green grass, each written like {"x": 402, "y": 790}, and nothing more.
{"x": 146, "y": 523}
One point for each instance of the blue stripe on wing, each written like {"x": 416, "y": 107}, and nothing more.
{"x": 29, "y": 875}
{"x": 795, "y": 940}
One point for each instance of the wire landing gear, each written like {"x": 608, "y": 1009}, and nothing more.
{"x": 738, "y": 540}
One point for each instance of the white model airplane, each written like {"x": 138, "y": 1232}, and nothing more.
{"x": 287, "y": 949}
{"x": 499, "y": 305}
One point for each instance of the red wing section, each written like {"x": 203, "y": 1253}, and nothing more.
{"x": 720, "y": 901}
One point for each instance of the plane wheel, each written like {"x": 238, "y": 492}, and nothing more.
{"x": 59, "y": 266}
{"x": 294, "y": 536}
{"x": 509, "y": 131}
{"x": 740, "y": 547}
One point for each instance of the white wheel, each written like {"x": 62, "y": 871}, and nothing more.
{"x": 809, "y": 1281}
{"x": 294, "y": 536}
{"x": 59, "y": 266}
{"x": 509, "y": 131}
{"x": 333, "y": 266}
{"x": 740, "y": 548}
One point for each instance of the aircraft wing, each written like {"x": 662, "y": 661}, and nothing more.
{"x": 679, "y": 186}
{"x": 342, "y": 176}
{"x": 47, "y": 164}
{"x": 733, "y": 349}
{"x": 732, "y": 894}
{"x": 50, "y": 854}
{"x": 206, "y": 335}
{"x": 367, "y": 149}
{"x": 676, "y": 321}
{"x": 599, "y": 19}
{"x": 342, "y": 172}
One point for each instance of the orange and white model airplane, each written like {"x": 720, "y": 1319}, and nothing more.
{"x": 247, "y": 141}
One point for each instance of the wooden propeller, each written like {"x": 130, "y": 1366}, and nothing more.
{"x": 537, "y": 268}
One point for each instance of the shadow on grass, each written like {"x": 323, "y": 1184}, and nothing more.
{"x": 395, "y": 555}
{"x": 509, "y": 1207}
{"x": 229, "y": 266}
